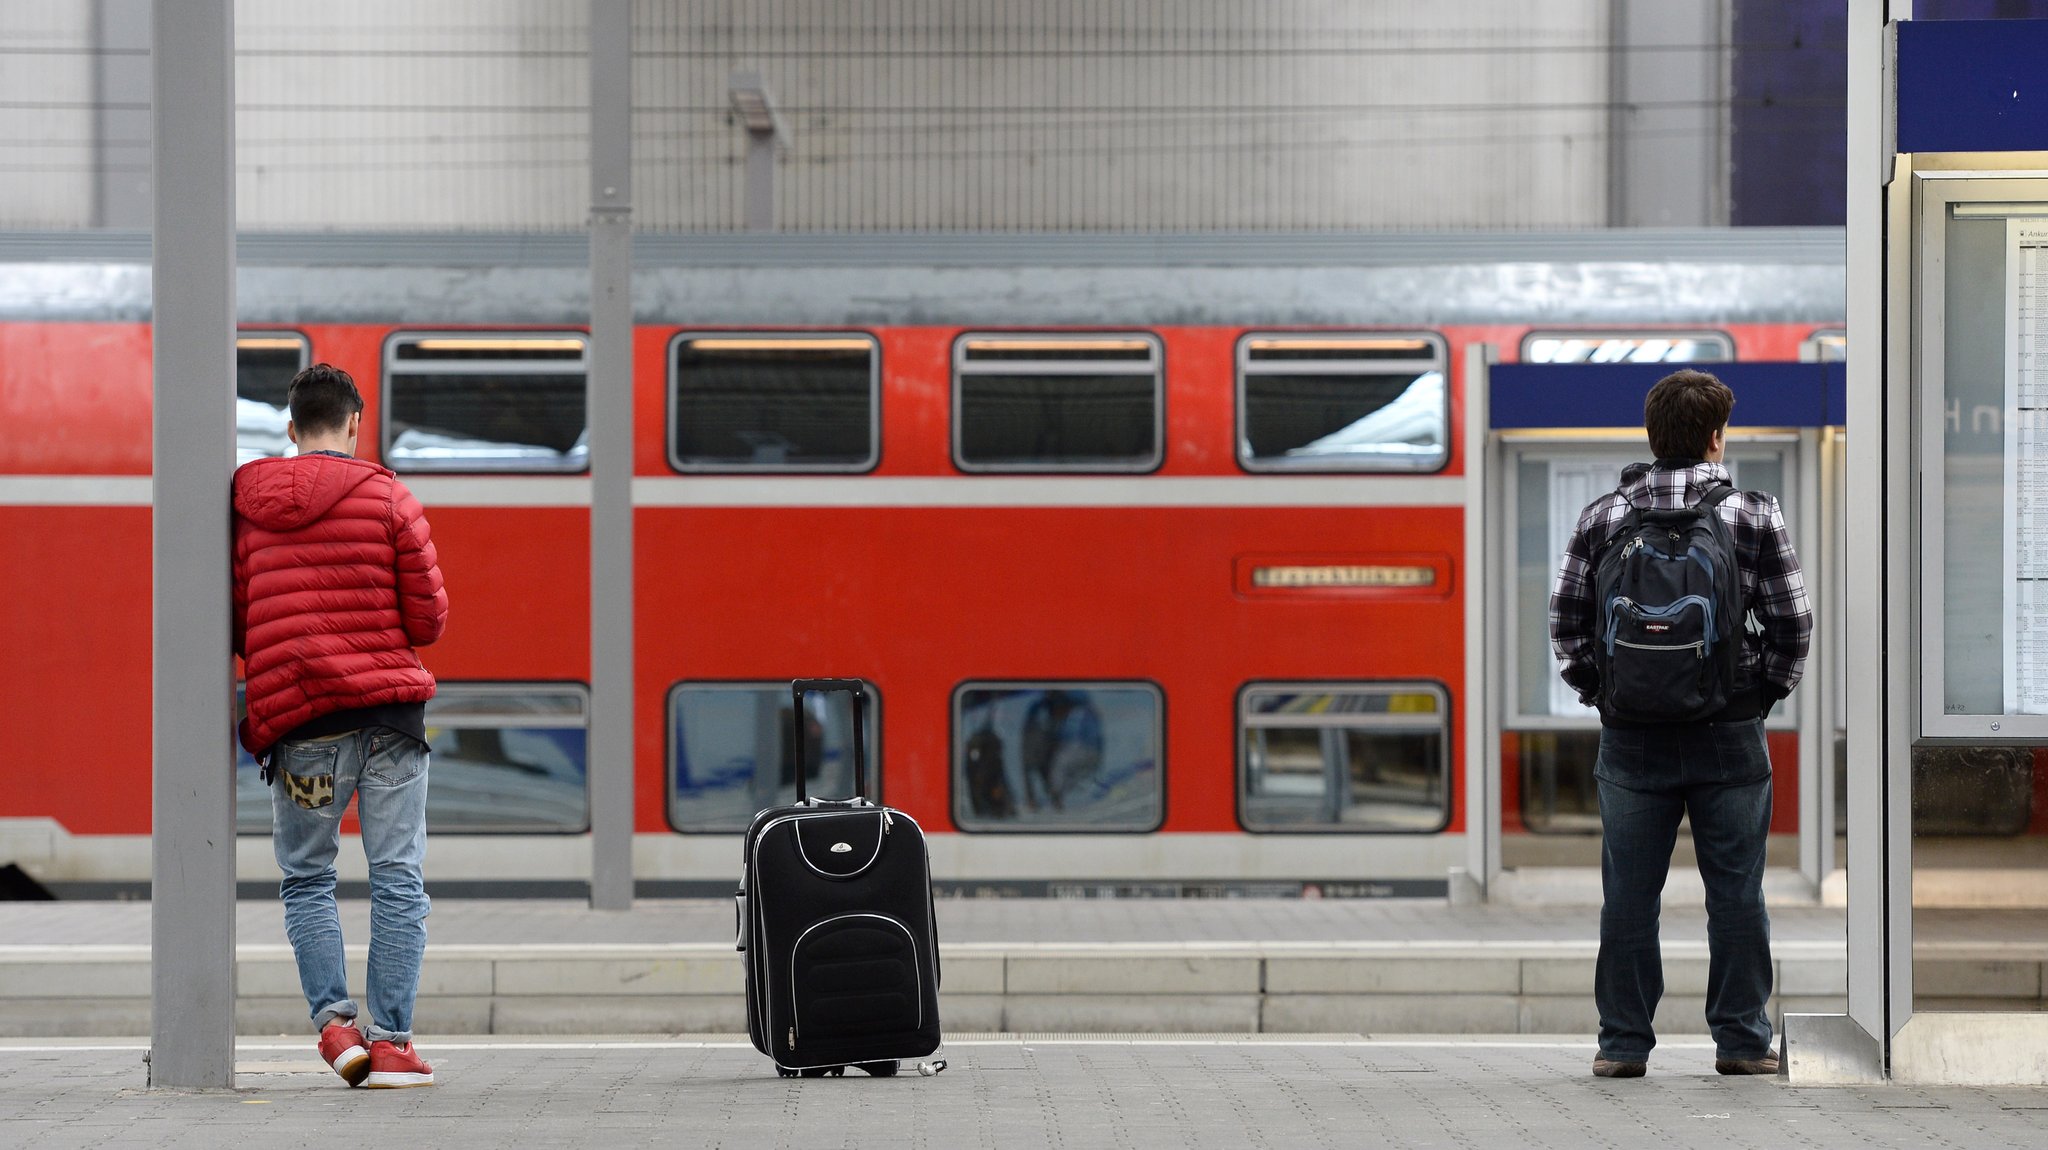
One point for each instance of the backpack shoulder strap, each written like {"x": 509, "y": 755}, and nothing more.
{"x": 1717, "y": 495}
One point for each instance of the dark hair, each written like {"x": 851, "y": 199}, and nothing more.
{"x": 322, "y": 397}
{"x": 1684, "y": 411}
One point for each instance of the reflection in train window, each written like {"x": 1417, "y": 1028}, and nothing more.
{"x": 1058, "y": 757}
{"x": 485, "y": 402}
{"x": 731, "y": 755}
{"x": 265, "y": 363}
{"x": 1329, "y": 402}
{"x": 507, "y": 758}
{"x": 774, "y": 402}
{"x": 1057, "y": 402}
{"x": 1344, "y": 757}
{"x": 1627, "y": 347}
{"x": 1827, "y": 346}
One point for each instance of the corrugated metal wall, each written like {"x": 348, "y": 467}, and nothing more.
{"x": 46, "y": 120}
{"x": 901, "y": 114}
{"x": 1167, "y": 114}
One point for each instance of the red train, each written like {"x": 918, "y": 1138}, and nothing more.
{"x": 1154, "y": 556}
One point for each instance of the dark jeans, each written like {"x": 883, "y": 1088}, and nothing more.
{"x": 1720, "y": 775}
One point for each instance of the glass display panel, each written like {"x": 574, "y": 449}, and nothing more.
{"x": 1344, "y": 758}
{"x": 731, "y": 754}
{"x": 1052, "y": 403}
{"x": 1640, "y": 347}
{"x": 1551, "y": 739}
{"x": 1058, "y": 757}
{"x": 264, "y": 366}
{"x": 1342, "y": 403}
{"x": 505, "y": 759}
{"x": 1552, "y": 487}
{"x": 1980, "y": 802}
{"x": 497, "y": 403}
{"x": 774, "y": 402}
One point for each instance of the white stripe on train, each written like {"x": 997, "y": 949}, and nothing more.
{"x": 838, "y": 491}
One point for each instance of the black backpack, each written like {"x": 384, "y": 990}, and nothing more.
{"x": 1669, "y": 612}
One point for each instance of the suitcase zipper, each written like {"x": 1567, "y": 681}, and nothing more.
{"x": 792, "y": 1038}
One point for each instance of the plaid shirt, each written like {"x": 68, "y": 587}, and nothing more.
{"x": 1773, "y": 589}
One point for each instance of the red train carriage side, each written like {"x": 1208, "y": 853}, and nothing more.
{"x": 1131, "y": 612}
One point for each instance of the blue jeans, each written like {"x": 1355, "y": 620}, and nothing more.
{"x": 1720, "y": 775}
{"x": 386, "y": 772}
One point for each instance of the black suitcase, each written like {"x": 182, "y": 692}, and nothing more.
{"x": 835, "y": 925}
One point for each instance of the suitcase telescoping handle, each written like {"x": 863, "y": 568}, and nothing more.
{"x": 798, "y": 689}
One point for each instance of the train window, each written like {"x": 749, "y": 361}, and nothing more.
{"x": 1327, "y": 402}
{"x": 485, "y": 402}
{"x": 1057, "y": 402}
{"x": 507, "y": 758}
{"x": 1037, "y": 757}
{"x": 731, "y": 755}
{"x": 1344, "y": 757}
{"x": 1627, "y": 347}
{"x": 265, "y": 363}
{"x": 774, "y": 402}
{"x": 1829, "y": 346}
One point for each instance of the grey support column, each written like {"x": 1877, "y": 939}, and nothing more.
{"x": 611, "y": 455}
{"x": 1811, "y": 702}
{"x": 1855, "y": 1047}
{"x": 1482, "y": 651}
{"x": 755, "y": 108}
{"x": 192, "y": 933}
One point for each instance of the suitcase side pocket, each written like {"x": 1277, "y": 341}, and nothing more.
{"x": 852, "y": 976}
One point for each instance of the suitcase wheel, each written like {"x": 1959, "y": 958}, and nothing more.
{"x": 880, "y": 1069}
{"x": 784, "y": 1072}
{"x": 822, "y": 1071}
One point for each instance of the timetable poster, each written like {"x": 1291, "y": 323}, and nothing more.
{"x": 2026, "y": 467}
{"x": 1573, "y": 484}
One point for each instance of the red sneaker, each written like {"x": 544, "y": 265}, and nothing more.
{"x": 393, "y": 1066}
{"x": 341, "y": 1046}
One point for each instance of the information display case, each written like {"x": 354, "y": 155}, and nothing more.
{"x": 1561, "y": 436}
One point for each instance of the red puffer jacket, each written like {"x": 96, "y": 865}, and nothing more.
{"x": 336, "y": 582}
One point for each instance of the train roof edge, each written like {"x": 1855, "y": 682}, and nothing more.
{"x": 1635, "y": 276}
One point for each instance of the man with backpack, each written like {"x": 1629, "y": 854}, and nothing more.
{"x": 1649, "y": 624}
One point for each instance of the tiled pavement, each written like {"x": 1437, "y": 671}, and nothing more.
{"x": 999, "y": 1092}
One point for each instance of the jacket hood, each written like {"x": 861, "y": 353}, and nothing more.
{"x": 1670, "y": 484}
{"x": 287, "y": 494}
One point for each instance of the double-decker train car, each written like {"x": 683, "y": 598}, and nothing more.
{"x": 1152, "y": 548}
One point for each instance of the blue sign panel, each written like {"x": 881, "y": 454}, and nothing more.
{"x": 1550, "y": 395}
{"x": 1973, "y": 85}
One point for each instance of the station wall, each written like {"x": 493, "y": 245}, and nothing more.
{"x": 900, "y": 114}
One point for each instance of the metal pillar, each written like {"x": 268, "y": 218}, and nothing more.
{"x": 1877, "y": 612}
{"x": 1867, "y": 561}
{"x": 610, "y": 404}
{"x": 1482, "y": 648}
{"x": 1812, "y": 702}
{"x": 192, "y": 931}
{"x": 756, "y": 111}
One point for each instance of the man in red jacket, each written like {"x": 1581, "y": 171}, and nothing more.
{"x": 336, "y": 583}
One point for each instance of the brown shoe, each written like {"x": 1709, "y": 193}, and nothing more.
{"x": 1768, "y": 1064}
{"x": 1607, "y": 1068}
